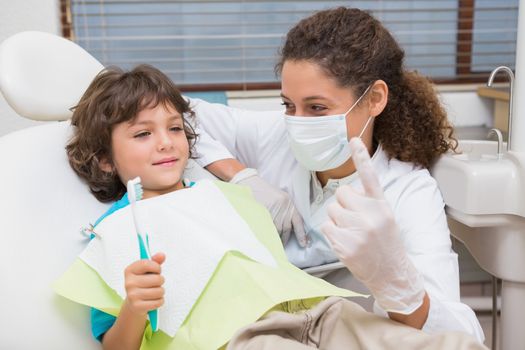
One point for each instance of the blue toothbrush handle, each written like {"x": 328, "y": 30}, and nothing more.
{"x": 153, "y": 319}
{"x": 144, "y": 254}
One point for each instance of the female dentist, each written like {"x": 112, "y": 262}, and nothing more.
{"x": 342, "y": 78}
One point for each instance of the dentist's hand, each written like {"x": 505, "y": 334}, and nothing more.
{"x": 364, "y": 235}
{"x": 285, "y": 217}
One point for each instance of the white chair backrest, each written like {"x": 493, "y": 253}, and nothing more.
{"x": 43, "y": 75}
{"x": 42, "y": 207}
{"x": 43, "y": 204}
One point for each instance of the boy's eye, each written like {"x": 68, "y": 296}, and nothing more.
{"x": 176, "y": 128}
{"x": 142, "y": 134}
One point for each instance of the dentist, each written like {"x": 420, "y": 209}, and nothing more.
{"x": 343, "y": 78}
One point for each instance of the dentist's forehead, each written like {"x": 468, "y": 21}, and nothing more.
{"x": 307, "y": 81}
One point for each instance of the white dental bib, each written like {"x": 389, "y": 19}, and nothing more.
{"x": 194, "y": 227}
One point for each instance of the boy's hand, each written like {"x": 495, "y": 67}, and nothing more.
{"x": 143, "y": 283}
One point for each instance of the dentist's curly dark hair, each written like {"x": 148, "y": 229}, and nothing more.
{"x": 113, "y": 97}
{"x": 356, "y": 49}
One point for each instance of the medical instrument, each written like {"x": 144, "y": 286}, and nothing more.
{"x": 89, "y": 232}
{"x": 135, "y": 194}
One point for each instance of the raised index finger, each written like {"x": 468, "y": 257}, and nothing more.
{"x": 364, "y": 168}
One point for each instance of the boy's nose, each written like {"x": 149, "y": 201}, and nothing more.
{"x": 165, "y": 142}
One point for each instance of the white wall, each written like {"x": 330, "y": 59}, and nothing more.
{"x": 18, "y": 16}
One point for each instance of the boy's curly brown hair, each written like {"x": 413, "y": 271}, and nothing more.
{"x": 113, "y": 97}
{"x": 354, "y": 48}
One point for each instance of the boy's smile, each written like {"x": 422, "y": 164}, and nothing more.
{"x": 153, "y": 146}
{"x": 167, "y": 162}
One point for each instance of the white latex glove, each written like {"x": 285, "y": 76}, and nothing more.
{"x": 364, "y": 235}
{"x": 285, "y": 217}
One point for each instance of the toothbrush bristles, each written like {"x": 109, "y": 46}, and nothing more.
{"x": 138, "y": 191}
{"x": 134, "y": 188}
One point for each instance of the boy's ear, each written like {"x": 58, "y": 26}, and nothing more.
{"x": 105, "y": 165}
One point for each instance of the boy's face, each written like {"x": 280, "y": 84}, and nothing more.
{"x": 154, "y": 147}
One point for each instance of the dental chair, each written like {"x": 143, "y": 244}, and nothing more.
{"x": 43, "y": 204}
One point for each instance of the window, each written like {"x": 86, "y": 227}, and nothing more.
{"x": 233, "y": 44}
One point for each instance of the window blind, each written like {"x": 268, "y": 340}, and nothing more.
{"x": 235, "y": 43}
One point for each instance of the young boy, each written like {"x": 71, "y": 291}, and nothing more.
{"x": 131, "y": 124}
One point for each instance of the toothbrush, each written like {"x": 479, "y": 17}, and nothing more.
{"x": 135, "y": 194}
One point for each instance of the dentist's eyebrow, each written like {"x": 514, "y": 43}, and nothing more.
{"x": 309, "y": 98}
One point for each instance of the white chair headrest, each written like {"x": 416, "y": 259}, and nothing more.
{"x": 43, "y": 75}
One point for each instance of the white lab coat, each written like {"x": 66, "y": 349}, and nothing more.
{"x": 258, "y": 139}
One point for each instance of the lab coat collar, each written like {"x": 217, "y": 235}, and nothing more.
{"x": 387, "y": 171}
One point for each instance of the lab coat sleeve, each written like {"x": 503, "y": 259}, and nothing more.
{"x": 421, "y": 218}
{"x": 239, "y": 131}
{"x": 207, "y": 148}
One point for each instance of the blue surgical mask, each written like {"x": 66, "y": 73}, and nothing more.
{"x": 321, "y": 143}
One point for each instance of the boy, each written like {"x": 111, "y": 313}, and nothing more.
{"x": 131, "y": 124}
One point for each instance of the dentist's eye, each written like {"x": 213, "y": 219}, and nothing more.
{"x": 142, "y": 134}
{"x": 318, "y": 108}
{"x": 288, "y": 106}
